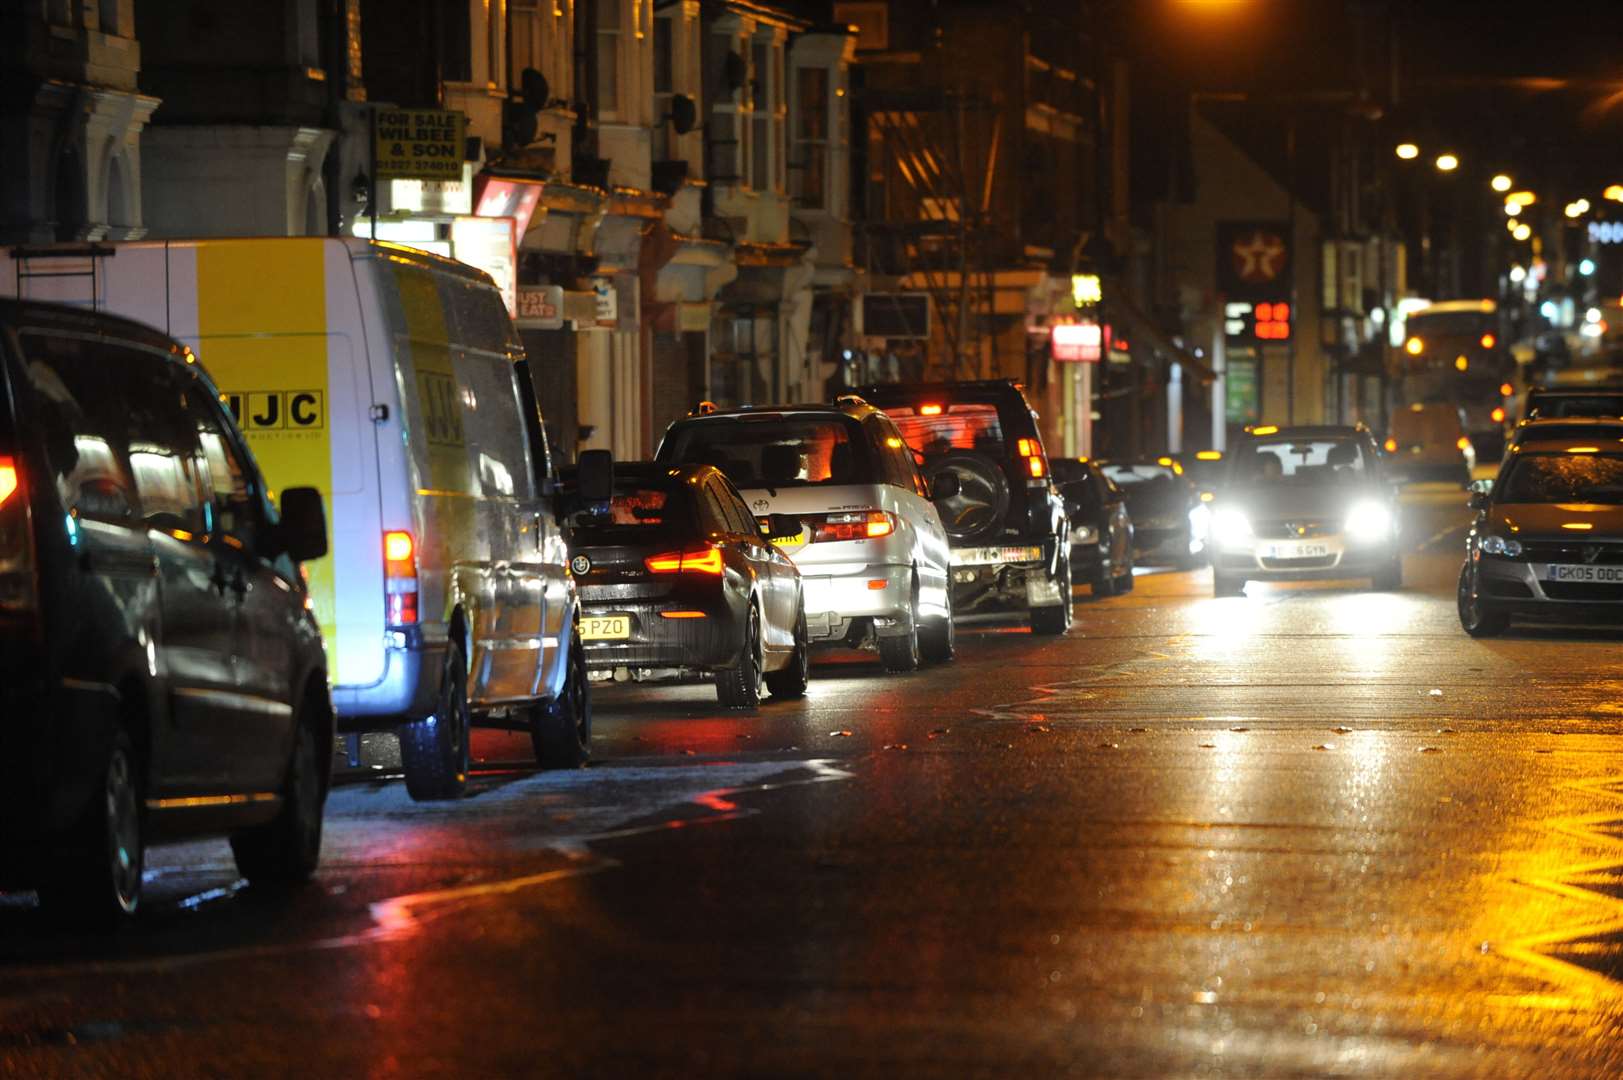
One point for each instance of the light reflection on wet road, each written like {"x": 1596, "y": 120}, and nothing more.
{"x": 1312, "y": 830}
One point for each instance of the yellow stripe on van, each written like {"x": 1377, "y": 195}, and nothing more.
{"x": 262, "y": 330}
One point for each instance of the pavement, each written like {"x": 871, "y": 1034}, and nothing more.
{"x": 1310, "y": 831}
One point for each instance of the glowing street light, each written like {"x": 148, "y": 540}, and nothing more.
{"x": 1408, "y": 151}
{"x": 1613, "y": 192}
{"x": 1522, "y": 231}
{"x": 1500, "y": 182}
{"x": 1447, "y": 163}
{"x": 1522, "y": 198}
{"x": 1512, "y": 208}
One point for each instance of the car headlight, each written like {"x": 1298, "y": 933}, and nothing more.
{"x": 1230, "y": 526}
{"x": 1200, "y": 522}
{"x": 1084, "y": 534}
{"x": 1498, "y": 545}
{"x": 1369, "y": 521}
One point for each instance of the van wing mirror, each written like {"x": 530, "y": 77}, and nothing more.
{"x": 780, "y": 526}
{"x": 945, "y": 485}
{"x": 594, "y": 476}
{"x": 303, "y": 529}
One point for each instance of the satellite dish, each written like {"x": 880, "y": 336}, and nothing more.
{"x": 684, "y": 114}
{"x": 533, "y": 88}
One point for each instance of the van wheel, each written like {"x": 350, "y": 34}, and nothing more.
{"x": 1052, "y": 621}
{"x": 561, "y": 729}
{"x": 285, "y": 851}
{"x": 95, "y": 877}
{"x": 434, "y": 750}
{"x": 739, "y": 686}
{"x": 789, "y": 682}
{"x": 938, "y": 641}
{"x": 900, "y": 654}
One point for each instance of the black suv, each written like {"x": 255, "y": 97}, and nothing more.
{"x": 160, "y": 674}
{"x": 1005, "y": 520}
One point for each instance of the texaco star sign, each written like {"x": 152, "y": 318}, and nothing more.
{"x": 1258, "y": 256}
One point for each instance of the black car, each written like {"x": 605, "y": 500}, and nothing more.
{"x": 161, "y": 676}
{"x": 1547, "y": 540}
{"x": 1101, "y": 527}
{"x": 674, "y": 572}
{"x": 1169, "y": 517}
{"x": 1556, "y": 402}
{"x": 1005, "y": 519}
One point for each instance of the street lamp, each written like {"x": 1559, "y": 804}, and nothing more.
{"x": 1500, "y": 183}
{"x": 1408, "y": 151}
{"x": 1447, "y": 163}
{"x": 1613, "y": 192}
{"x": 1522, "y": 231}
{"x": 1513, "y": 208}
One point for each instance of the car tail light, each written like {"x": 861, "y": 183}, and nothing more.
{"x": 1391, "y": 446}
{"x": 1488, "y": 341}
{"x": 856, "y": 525}
{"x": 929, "y": 410}
{"x": 400, "y": 577}
{"x": 18, "y": 590}
{"x": 1498, "y": 415}
{"x": 705, "y": 560}
{"x": 1505, "y": 389}
{"x": 1032, "y": 451}
{"x": 1463, "y": 443}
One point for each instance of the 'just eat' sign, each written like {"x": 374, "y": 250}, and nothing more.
{"x": 419, "y": 144}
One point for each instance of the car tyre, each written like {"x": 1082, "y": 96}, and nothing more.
{"x": 1104, "y": 585}
{"x": 561, "y": 728}
{"x": 286, "y": 850}
{"x": 739, "y": 686}
{"x": 434, "y": 750}
{"x": 94, "y": 880}
{"x": 1476, "y": 618}
{"x": 1390, "y": 579}
{"x": 1052, "y": 621}
{"x": 789, "y": 682}
{"x": 938, "y": 640}
{"x": 1227, "y": 584}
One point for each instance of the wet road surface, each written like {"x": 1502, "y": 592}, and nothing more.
{"x": 1310, "y": 831}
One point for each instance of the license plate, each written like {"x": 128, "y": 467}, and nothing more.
{"x": 1567, "y": 572}
{"x": 605, "y": 627}
{"x": 1295, "y": 551}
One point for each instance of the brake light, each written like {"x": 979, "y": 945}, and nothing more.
{"x": 929, "y": 410}
{"x": 1498, "y": 415}
{"x": 19, "y": 589}
{"x": 702, "y": 561}
{"x": 1488, "y": 341}
{"x": 1035, "y": 464}
{"x": 8, "y": 478}
{"x": 858, "y": 525}
{"x": 1463, "y": 443}
{"x": 1391, "y": 446}
{"x": 400, "y": 578}
{"x": 1032, "y": 451}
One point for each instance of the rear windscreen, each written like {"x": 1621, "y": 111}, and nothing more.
{"x": 934, "y": 430}
{"x": 777, "y": 451}
{"x": 1586, "y": 477}
{"x": 637, "y": 512}
{"x": 1555, "y": 406}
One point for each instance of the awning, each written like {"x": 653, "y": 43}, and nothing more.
{"x": 1119, "y": 308}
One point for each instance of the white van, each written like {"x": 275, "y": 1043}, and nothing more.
{"x": 392, "y": 381}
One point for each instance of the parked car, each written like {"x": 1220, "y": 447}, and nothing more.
{"x": 1547, "y": 539}
{"x": 160, "y": 675}
{"x": 1169, "y": 518}
{"x": 1205, "y": 470}
{"x": 1101, "y": 527}
{"x": 1575, "y": 429}
{"x": 1309, "y": 502}
{"x": 1559, "y": 402}
{"x": 1004, "y": 518}
{"x": 392, "y": 381}
{"x": 1427, "y": 441}
{"x": 871, "y": 549}
{"x": 674, "y": 572}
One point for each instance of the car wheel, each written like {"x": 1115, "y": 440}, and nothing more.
{"x": 1227, "y": 584}
{"x": 739, "y": 686}
{"x": 789, "y": 682}
{"x": 286, "y": 850}
{"x": 938, "y": 640}
{"x": 561, "y": 729}
{"x": 1124, "y": 583}
{"x": 434, "y": 750}
{"x": 1477, "y": 618}
{"x": 95, "y": 877}
{"x": 1055, "y": 620}
{"x": 1104, "y": 585}
{"x": 1391, "y": 578}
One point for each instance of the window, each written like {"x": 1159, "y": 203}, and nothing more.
{"x": 81, "y": 418}
{"x": 962, "y": 426}
{"x": 664, "y": 86}
{"x": 493, "y": 425}
{"x": 895, "y": 461}
{"x": 736, "y": 514}
{"x": 608, "y": 58}
{"x": 456, "y": 41}
{"x": 811, "y": 136}
{"x": 237, "y": 510}
{"x": 761, "y": 116}
{"x": 775, "y": 451}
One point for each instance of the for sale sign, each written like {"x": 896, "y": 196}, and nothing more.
{"x": 419, "y": 144}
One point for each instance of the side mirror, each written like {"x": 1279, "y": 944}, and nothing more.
{"x": 1479, "y": 500}
{"x": 780, "y": 526}
{"x": 945, "y": 485}
{"x": 303, "y": 530}
{"x": 594, "y": 476}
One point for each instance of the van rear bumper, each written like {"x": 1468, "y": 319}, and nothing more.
{"x": 406, "y": 691}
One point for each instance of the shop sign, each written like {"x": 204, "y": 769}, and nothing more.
{"x": 540, "y": 307}
{"x": 1081, "y": 342}
{"x": 608, "y": 302}
{"x": 418, "y": 144}
{"x": 497, "y": 197}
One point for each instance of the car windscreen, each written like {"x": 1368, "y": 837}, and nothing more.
{"x": 1298, "y": 462}
{"x": 1550, "y": 431}
{"x": 1566, "y": 477}
{"x": 776, "y": 450}
{"x": 1547, "y": 406}
{"x": 637, "y": 512}
{"x": 1135, "y": 479}
{"x": 934, "y": 430}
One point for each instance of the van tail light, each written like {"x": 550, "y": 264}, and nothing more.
{"x": 706, "y": 560}
{"x": 1391, "y": 446}
{"x": 19, "y": 592}
{"x": 1032, "y": 451}
{"x": 1463, "y": 443}
{"x": 1498, "y": 415}
{"x": 855, "y": 525}
{"x": 400, "y": 578}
